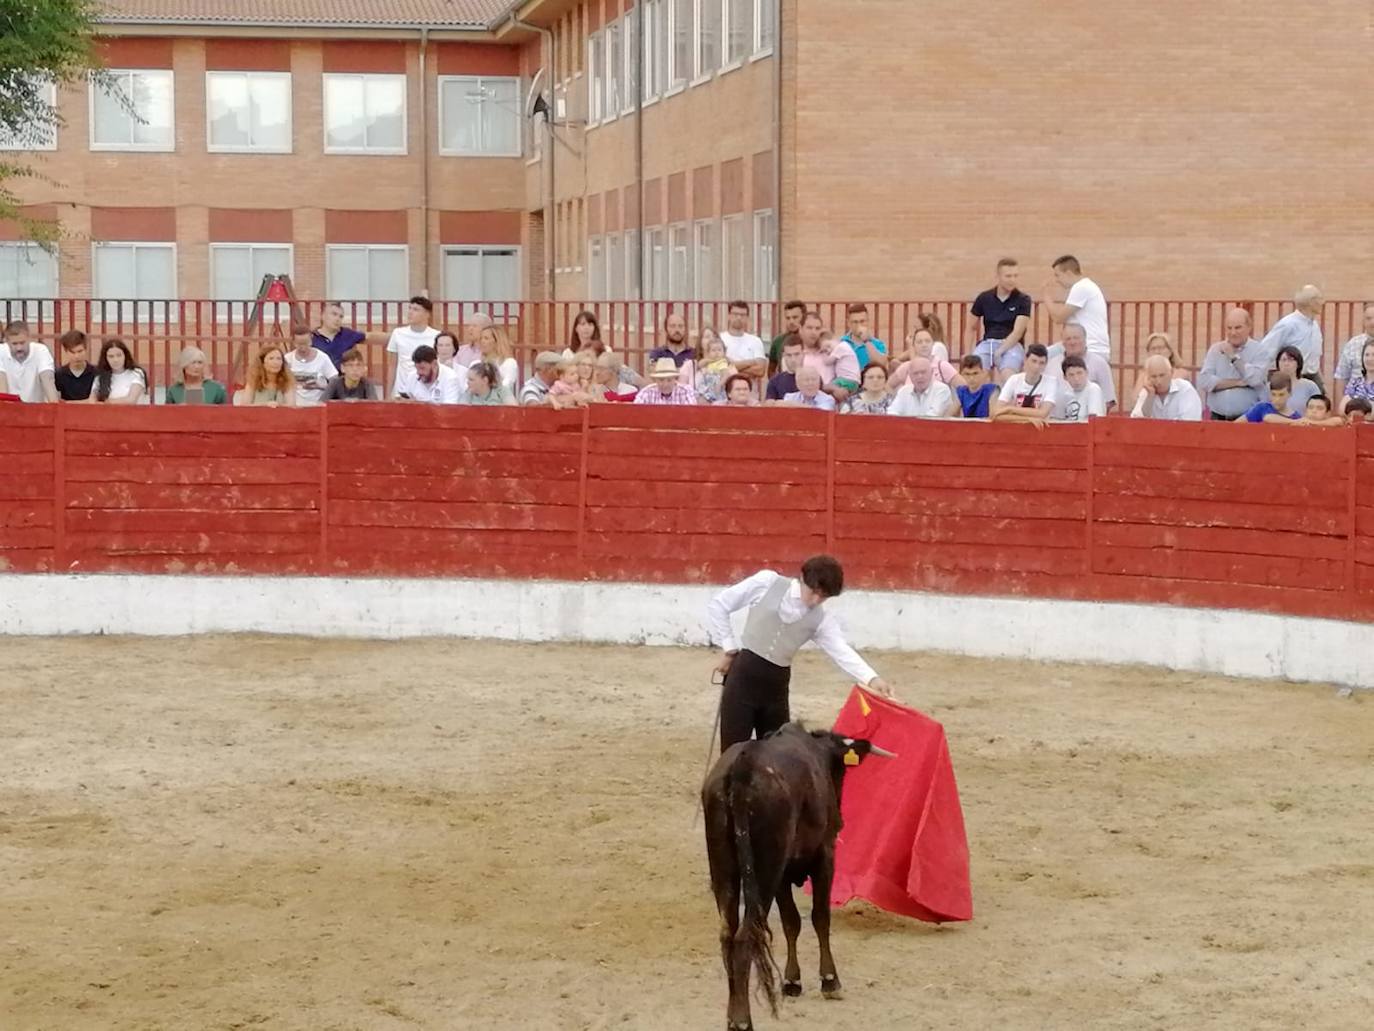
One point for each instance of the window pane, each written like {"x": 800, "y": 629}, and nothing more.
{"x": 152, "y": 96}
{"x": 594, "y": 79}
{"x": 596, "y": 270}
{"x": 463, "y": 274}
{"x": 111, "y": 122}
{"x": 154, "y": 273}
{"x": 741, "y": 37}
{"x": 114, "y": 271}
{"x": 388, "y": 275}
{"x": 27, "y": 271}
{"x": 270, "y": 261}
{"x": 683, "y": 17}
{"x": 347, "y": 273}
{"x": 502, "y": 116}
{"x": 768, "y": 11}
{"x": 679, "y": 264}
{"x": 231, "y": 271}
{"x": 501, "y": 275}
{"x": 37, "y": 134}
{"x": 707, "y": 262}
{"x": 630, "y": 93}
{"x": 226, "y": 98}
{"x": 650, "y": 31}
{"x": 345, "y": 117}
{"x": 271, "y": 119}
{"x": 613, "y": 69}
{"x": 708, "y": 36}
{"x": 386, "y": 111}
{"x": 615, "y": 268}
{"x": 462, "y": 109}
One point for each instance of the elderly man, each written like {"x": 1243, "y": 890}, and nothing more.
{"x": 1071, "y": 297}
{"x": 1099, "y": 371}
{"x": 1231, "y": 378}
{"x": 809, "y": 393}
{"x": 535, "y": 392}
{"x": 666, "y": 388}
{"x": 925, "y": 397}
{"x": 1349, "y": 362}
{"x": 469, "y": 353}
{"x": 26, "y": 368}
{"x": 428, "y": 380}
{"x": 1173, "y": 400}
{"x": 1298, "y": 328}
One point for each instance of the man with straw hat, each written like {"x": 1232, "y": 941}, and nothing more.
{"x": 666, "y": 388}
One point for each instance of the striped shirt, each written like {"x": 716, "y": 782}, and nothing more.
{"x": 653, "y": 395}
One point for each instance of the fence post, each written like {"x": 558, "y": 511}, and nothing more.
{"x": 322, "y": 557}
{"x": 59, "y": 490}
{"x": 1092, "y": 466}
{"x": 1352, "y": 500}
{"x": 582, "y": 486}
{"x": 830, "y": 483}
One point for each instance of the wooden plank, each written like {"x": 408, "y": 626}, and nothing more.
{"x": 758, "y": 497}
{"x": 33, "y": 537}
{"x": 190, "y": 471}
{"x": 1221, "y": 539}
{"x": 1221, "y": 488}
{"x": 781, "y": 422}
{"x": 1364, "y": 439}
{"x": 93, "y": 522}
{"x": 26, "y": 560}
{"x": 675, "y": 522}
{"x": 210, "y": 541}
{"x": 616, "y": 469}
{"x": 1259, "y": 464}
{"x": 84, "y": 560}
{"x": 26, "y": 512}
{"x": 454, "y": 515}
{"x": 350, "y": 420}
{"x": 446, "y": 560}
{"x": 721, "y": 446}
{"x": 26, "y": 416}
{"x": 186, "y": 445}
{"x": 1175, "y": 512}
{"x": 26, "y": 488}
{"x": 38, "y": 463}
{"x": 219, "y": 420}
{"x": 901, "y": 529}
{"x": 1221, "y": 568}
{"x": 1032, "y": 454}
{"x": 1290, "y": 599}
{"x": 398, "y": 543}
{"x": 378, "y": 461}
{"x": 1280, "y": 442}
{"x": 992, "y": 478}
{"x": 1364, "y": 522}
{"x": 862, "y": 572}
{"x": 437, "y": 439}
{"x": 912, "y": 563}
{"x": 775, "y": 549}
{"x": 1364, "y": 485}
{"x": 207, "y": 498}
{"x": 918, "y": 501}
{"x": 26, "y": 440}
{"x": 879, "y": 434}
{"x": 509, "y": 490}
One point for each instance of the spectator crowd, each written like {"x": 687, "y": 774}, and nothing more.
{"x": 1002, "y": 376}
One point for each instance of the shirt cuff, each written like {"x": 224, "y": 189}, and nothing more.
{"x": 729, "y": 644}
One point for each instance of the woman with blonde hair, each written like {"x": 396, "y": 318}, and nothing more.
{"x": 494, "y": 343}
{"x": 1156, "y": 344}
{"x": 192, "y": 386}
{"x": 269, "y": 383}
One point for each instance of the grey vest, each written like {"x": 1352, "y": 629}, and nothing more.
{"x": 768, "y": 637}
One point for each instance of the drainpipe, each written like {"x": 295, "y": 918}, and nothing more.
{"x": 546, "y": 158}
{"x": 639, "y": 144}
{"x": 424, "y": 153}
{"x": 777, "y": 142}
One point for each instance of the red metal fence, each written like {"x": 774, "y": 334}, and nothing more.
{"x": 1261, "y": 517}
{"x": 157, "y": 330}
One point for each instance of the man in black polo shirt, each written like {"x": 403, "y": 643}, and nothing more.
{"x": 1001, "y": 319}
{"x": 75, "y": 379}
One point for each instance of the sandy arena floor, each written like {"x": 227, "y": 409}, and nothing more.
{"x": 260, "y": 833}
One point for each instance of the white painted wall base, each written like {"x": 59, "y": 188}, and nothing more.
{"x": 1205, "y": 640}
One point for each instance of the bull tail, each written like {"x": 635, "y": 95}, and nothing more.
{"x": 755, "y": 936}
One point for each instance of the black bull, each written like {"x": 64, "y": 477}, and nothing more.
{"x": 772, "y": 814}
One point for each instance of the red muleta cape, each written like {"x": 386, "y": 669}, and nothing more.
{"x": 903, "y": 846}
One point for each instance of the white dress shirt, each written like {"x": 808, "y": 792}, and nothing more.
{"x": 1180, "y": 404}
{"x": 447, "y": 387}
{"x": 829, "y": 636}
{"x": 932, "y": 403}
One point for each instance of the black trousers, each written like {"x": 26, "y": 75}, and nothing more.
{"x": 753, "y": 702}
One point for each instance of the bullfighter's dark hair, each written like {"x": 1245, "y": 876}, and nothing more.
{"x": 823, "y": 573}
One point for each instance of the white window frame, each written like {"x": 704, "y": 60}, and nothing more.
{"x": 740, "y": 255}
{"x": 629, "y": 49}
{"x": 93, "y": 88}
{"x": 19, "y": 305}
{"x": 610, "y": 104}
{"x": 634, "y": 254}
{"x": 765, "y": 255}
{"x": 677, "y": 78}
{"x": 763, "y": 47}
{"x": 223, "y": 148}
{"x": 519, "y": 116}
{"x": 404, "y": 148}
{"x": 596, "y": 78}
{"x": 699, "y": 284}
{"x": 167, "y": 304}
{"x": 681, "y": 267}
{"x": 224, "y": 305}
{"x": 49, "y": 97}
{"x": 596, "y": 268}
{"x": 649, "y": 17}
{"x": 727, "y": 9}
{"x": 615, "y": 267}
{"x": 655, "y": 261}
{"x": 374, "y": 307}
{"x": 700, "y": 74}
{"x": 482, "y": 249}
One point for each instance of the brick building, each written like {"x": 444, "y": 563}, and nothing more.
{"x": 707, "y": 148}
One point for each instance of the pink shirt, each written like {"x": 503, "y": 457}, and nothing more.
{"x": 846, "y": 362}
{"x": 822, "y": 364}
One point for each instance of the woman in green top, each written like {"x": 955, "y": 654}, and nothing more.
{"x": 269, "y": 383}
{"x": 191, "y": 386}
{"x": 485, "y": 388}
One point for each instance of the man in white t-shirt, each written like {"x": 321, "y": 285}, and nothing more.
{"x": 404, "y": 339}
{"x": 1029, "y": 395}
{"x": 26, "y": 367}
{"x": 1082, "y": 304}
{"x": 745, "y": 351}
{"x": 1079, "y": 397}
{"x": 924, "y": 397}
{"x": 1099, "y": 370}
{"x": 311, "y": 368}
{"x": 429, "y": 380}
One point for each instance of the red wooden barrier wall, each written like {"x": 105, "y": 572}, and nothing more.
{"x": 1264, "y": 517}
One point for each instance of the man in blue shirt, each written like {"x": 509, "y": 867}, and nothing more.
{"x": 332, "y": 336}
{"x": 975, "y": 396}
{"x": 868, "y": 349}
{"x": 674, "y": 344}
{"x": 785, "y": 382}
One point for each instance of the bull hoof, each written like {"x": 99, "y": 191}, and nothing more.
{"x": 831, "y": 988}
{"x": 791, "y": 988}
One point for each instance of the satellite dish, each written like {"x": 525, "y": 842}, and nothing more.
{"x": 534, "y": 100}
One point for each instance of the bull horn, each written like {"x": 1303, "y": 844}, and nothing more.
{"x": 875, "y": 750}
